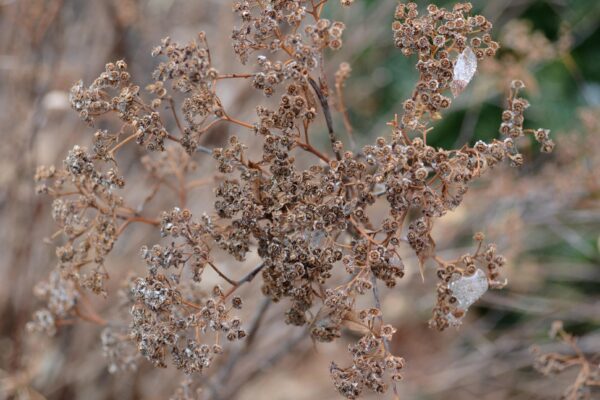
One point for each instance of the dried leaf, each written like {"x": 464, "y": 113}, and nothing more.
{"x": 468, "y": 289}
{"x": 464, "y": 70}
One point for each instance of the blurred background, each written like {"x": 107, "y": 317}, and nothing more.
{"x": 545, "y": 216}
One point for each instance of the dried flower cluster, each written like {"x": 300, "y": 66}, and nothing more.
{"x": 371, "y": 360}
{"x": 449, "y": 44}
{"x": 310, "y": 226}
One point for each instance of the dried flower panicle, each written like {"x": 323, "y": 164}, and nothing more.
{"x": 164, "y": 318}
{"x": 371, "y": 361}
{"x": 311, "y": 223}
{"x": 165, "y": 323}
{"x": 95, "y": 100}
{"x": 87, "y": 210}
{"x": 190, "y": 71}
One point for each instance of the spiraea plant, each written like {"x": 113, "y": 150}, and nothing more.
{"x": 305, "y": 212}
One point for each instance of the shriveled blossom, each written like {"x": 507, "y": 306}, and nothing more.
{"x": 310, "y": 223}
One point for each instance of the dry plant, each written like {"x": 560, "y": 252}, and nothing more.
{"x": 323, "y": 250}
{"x": 588, "y": 376}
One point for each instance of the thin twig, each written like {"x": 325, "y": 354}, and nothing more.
{"x": 174, "y": 111}
{"x": 247, "y": 278}
{"x": 327, "y": 113}
{"x": 204, "y": 150}
{"x": 264, "y": 305}
{"x": 251, "y": 274}
{"x": 136, "y": 219}
{"x": 275, "y": 357}
{"x": 311, "y": 149}
{"x": 386, "y": 342}
{"x": 230, "y": 76}
{"x": 122, "y": 143}
{"x": 225, "y": 372}
{"x": 344, "y": 111}
{"x": 222, "y": 275}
